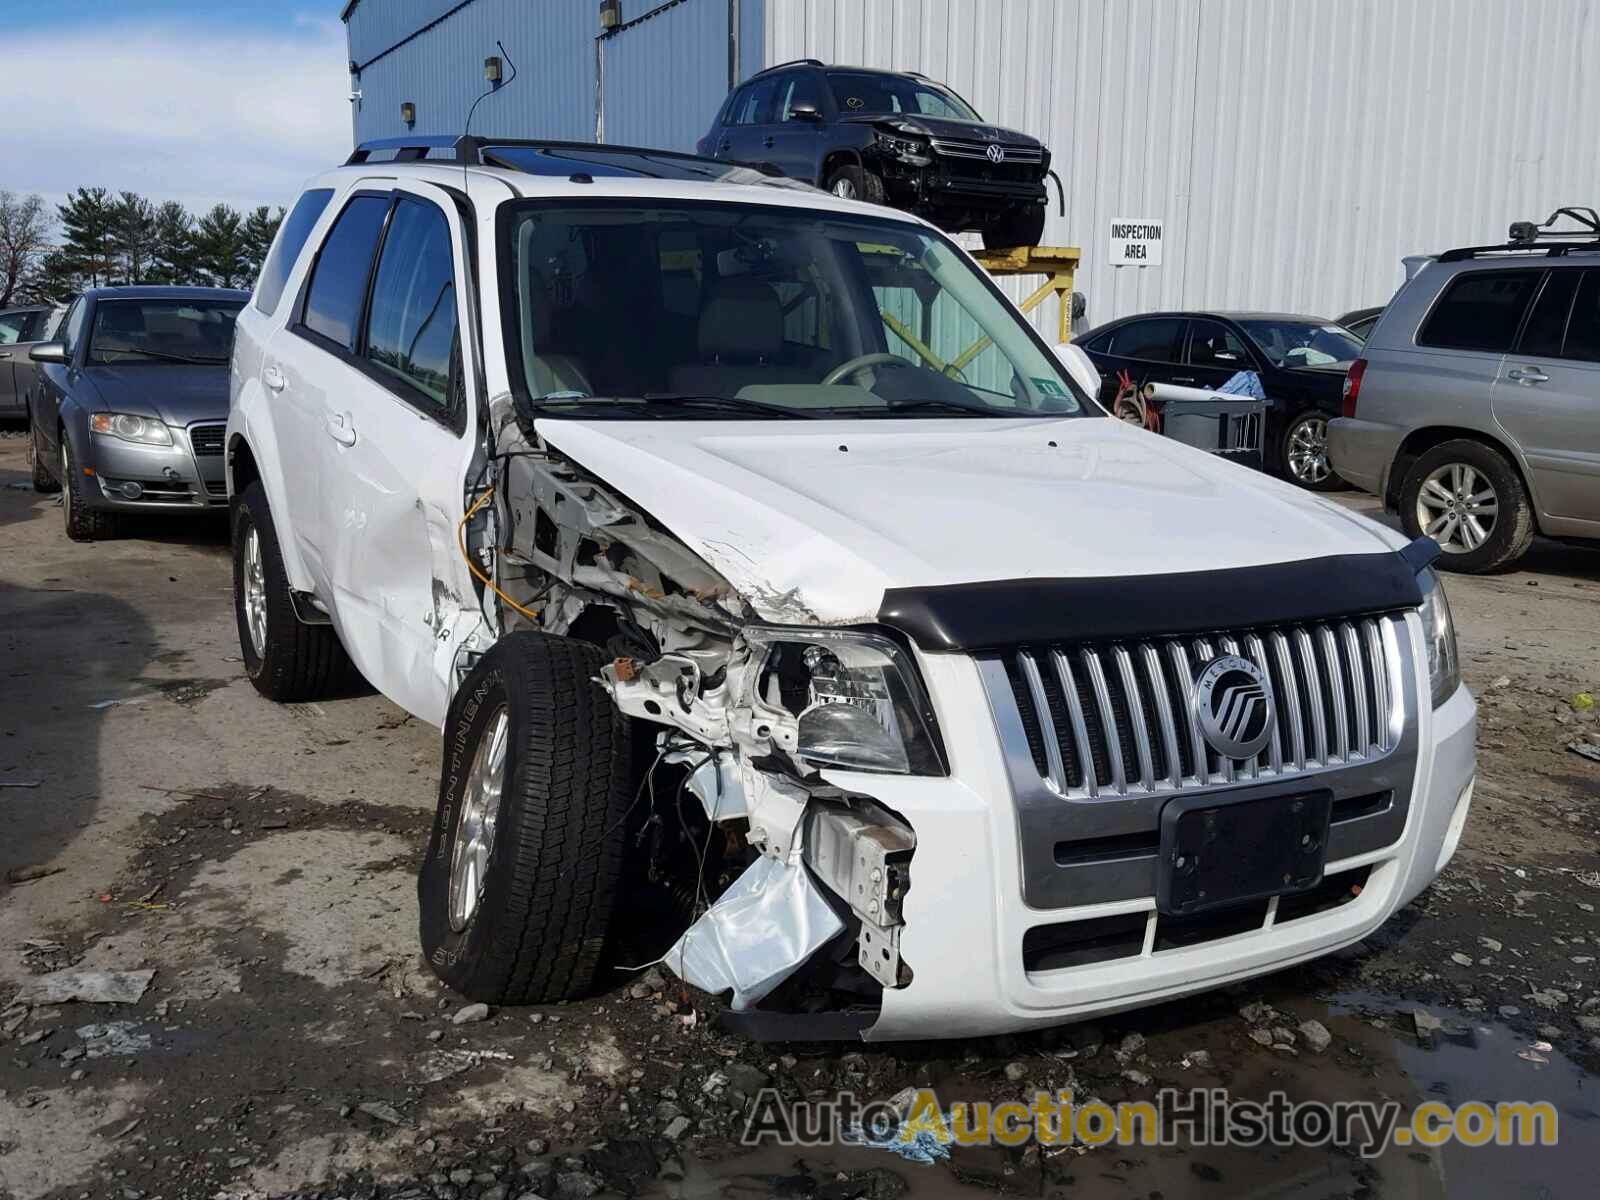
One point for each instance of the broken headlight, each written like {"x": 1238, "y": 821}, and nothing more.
{"x": 856, "y": 699}
{"x": 1439, "y": 638}
{"x": 907, "y": 150}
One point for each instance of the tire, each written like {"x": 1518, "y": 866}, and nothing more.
{"x": 1303, "y": 454}
{"x": 532, "y": 929}
{"x": 855, "y": 183}
{"x": 1469, "y": 476}
{"x": 293, "y": 661}
{"x": 83, "y": 524}
{"x": 42, "y": 479}
{"x": 1020, "y": 226}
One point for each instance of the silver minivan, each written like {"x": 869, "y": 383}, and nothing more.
{"x": 1474, "y": 411}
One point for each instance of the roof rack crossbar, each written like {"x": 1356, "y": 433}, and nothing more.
{"x": 1530, "y": 236}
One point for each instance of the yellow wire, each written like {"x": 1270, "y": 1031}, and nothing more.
{"x": 461, "y": 540}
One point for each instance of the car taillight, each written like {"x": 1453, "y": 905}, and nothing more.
{"x": 1352, "y": 385}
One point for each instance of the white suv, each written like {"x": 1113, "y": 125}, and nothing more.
{"x": 781, "y": 596}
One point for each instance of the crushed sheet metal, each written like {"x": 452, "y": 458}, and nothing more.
{"x": 92, "y": 987}
{"x": 758, "y": 933}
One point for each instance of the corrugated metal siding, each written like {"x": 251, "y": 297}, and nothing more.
{"x": 666, "y": 76}
{"x": 1296, "y": 150}
{"x": 375, "y": 25}
{"x": 441, "y": 71}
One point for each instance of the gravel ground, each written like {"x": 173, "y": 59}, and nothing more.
{"x": 260, "y": 860}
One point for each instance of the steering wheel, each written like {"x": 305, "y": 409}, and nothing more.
{"x": 860, "y": 363}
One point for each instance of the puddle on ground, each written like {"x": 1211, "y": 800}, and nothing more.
{"x": 1469, "y": 1058}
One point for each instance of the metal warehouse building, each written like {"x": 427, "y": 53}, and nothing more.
{"x": 1292, "y": 150}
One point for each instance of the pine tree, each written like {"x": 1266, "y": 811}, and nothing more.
{"x": 172, "y": 260}
{"x": 260, "y": 227}
{"x": 134, "y": 236}
{"x": 220, "y": 247}
{"x": 88, "y": 229}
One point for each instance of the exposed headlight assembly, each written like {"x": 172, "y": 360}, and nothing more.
{"x": 144, "y": 430}
{"x": 855, "y": 699}
{"x": 1439, "y": 636}
{"x": 907, "y": 150}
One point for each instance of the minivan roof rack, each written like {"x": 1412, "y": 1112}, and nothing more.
{"x": 1531, "y": 236}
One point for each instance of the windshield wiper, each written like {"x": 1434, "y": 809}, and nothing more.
{"x": 733, "y": 403}
{"x": 178, "y": 358}
{"x": 927, "y": 404}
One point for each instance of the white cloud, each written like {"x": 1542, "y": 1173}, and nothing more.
{"x": 194, "y": 114}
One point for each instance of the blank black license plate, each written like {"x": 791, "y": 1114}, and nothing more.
{"x": 1219, "y": 853}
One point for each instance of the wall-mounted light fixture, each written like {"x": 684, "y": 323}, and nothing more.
{"x": 610, "y": 14}
{"x": 491, "y": 70}
{"x": 408, "y": 113}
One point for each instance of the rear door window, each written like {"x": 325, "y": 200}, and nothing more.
{"x": 1480, "y": 311}
{"x": 339, "y": 279}
{"x": 754, "y": 107}
{"x": 1155, "y": 340}
{"x": 412, "y": 330}
{"x": 1547, "y": 323}
{"x": 1213, "y": 344}
{"x": 286, "y": 250}
{"x": 11, "y": 328}
{"x": 1583, "y": 329}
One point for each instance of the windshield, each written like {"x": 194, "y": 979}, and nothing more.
{"x": 1302, "y": 343}
{"x": 184, "y": 331}
{"x": 687, "y": 310}
{"x": 873, "y": 92}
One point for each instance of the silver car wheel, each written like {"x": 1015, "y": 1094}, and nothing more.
{"x": 66, "y": 481}
{"x": 475, "y": 826}
{"x": 845, "y": 188}
{"x": 1457, "y": 507}
{"x": 255, "y": 592}
{"x": 1308, "y": 451}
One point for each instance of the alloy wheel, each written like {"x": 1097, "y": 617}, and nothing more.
{"x": 845, "y": 189}
{"x": 1457, "y": 507}
{"x": 255, "y": 592}
{"x": 1308, "y": 451}
{"x": 475, "y": 827}
{"x": 66, "y": 482}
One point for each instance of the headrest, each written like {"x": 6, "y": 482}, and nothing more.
{"x": 742, "y": 320}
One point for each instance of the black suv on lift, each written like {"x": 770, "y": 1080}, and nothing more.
{"x": 892, "y": 137}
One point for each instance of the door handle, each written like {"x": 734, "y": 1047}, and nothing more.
{"x": 726, "y": 146}
{"x": 341, "y": 430}
{"x": 273, "y": 378}
{"x": 1183, "y": 379}
{"x": 1527, "y": 375}
{"x": 767, "y": 142}
{"x": 5, "y": 354}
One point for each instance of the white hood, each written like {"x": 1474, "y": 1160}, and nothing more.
{"x": 811, "y": 522}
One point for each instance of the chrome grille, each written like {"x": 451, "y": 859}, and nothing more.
{"x": 962, "y": 148}
{"x": 1117, "y": 719}
{"x": 206, "y": 440}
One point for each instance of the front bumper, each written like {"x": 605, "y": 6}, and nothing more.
{"x": 967, "y": 889}
{"x": 1362, "y": 451}
{"x": 187, "y": 476}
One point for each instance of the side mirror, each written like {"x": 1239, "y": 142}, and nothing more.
{"x": 804, "y": 112}
{"x": 50, "y": 352}
{"x": 1080, "y": 367}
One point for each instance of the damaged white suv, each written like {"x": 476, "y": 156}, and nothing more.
{"x": 792, "y": 616}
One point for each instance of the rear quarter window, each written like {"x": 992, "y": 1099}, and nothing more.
{"x": 1480, "y": 310}
{"x": 286, "y": 249}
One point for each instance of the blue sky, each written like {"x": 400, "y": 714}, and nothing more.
{"x": 189, "y": 100}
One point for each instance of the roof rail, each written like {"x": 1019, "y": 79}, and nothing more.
{"x": 563, "y": 158}
{"x": 793, "y": 62}
{"x": 1550, "y": 243}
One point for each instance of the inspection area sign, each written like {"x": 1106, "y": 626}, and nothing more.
{"x": 1136, "y": 242}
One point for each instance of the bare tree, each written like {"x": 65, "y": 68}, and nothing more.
{"x": 24, "y": 241}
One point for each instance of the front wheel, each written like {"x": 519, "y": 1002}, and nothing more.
{"x": 855, "y": 183}
{"x": 1020, "y": 226}
{"x": 521, "y": 874}
{"x": 1470, "y": 499}
{"x": 1305, "y": 454}
{"x": 83, "y": 524}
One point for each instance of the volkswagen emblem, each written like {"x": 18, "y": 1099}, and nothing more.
{"x": 1233, "y": 703}
{"x": 996, "y": 152}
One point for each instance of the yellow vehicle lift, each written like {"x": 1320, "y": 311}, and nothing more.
{"x": 1059, "y": 266}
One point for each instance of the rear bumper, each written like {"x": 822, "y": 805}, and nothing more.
{"x": 1362, "y": 451}
{"x": 135, "y": 478}
{"x": 967, "y": 887}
